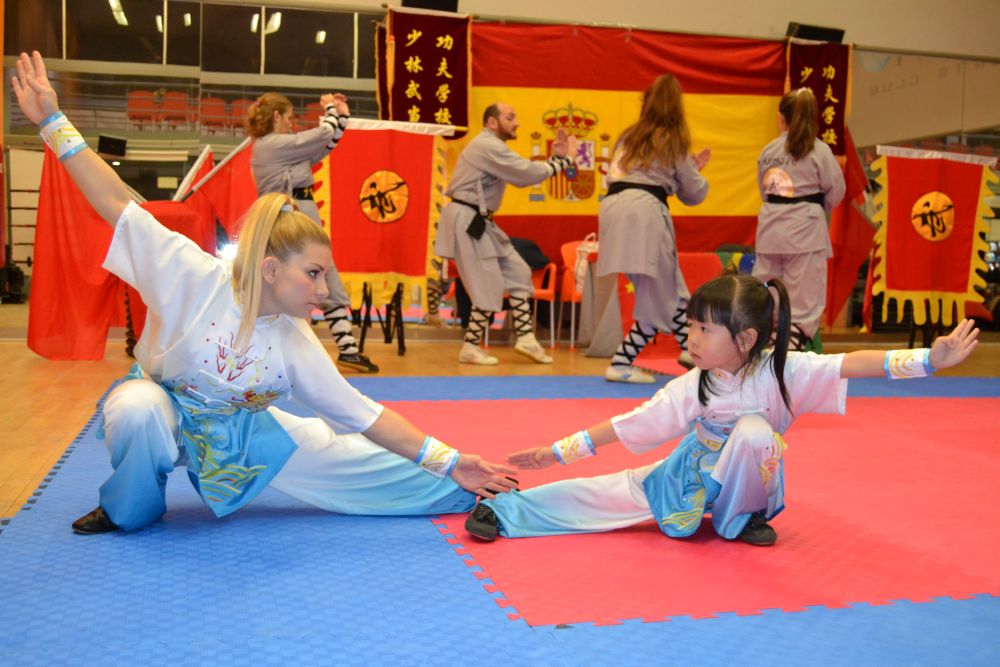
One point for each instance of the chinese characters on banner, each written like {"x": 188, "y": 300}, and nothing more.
{"x": 824, "y": 68}
{"x": 427, "y": 68}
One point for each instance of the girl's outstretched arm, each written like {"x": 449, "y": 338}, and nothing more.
{"x": 571, "y": 448}
{"x": 96, "y": 179}
{"x": 946, "y": 352}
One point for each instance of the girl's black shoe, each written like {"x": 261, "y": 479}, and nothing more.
{"x": 757, "y": 532}
{"x": 482, "y": 523}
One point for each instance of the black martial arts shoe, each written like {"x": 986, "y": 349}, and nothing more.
{"x": 482, "y": 523}
{"x": 357, "y": 362}
{"x": 93, "y": 523}
{"x": 757, "y": 531}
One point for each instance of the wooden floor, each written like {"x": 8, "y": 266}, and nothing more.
{"x": 46, "y": 403}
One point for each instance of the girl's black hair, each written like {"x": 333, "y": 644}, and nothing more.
{"x": 741, "y": 302}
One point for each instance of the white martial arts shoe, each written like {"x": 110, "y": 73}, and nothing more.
{"x": 473, "y": 354}
{"x": 530, "y": 347}
{"x": 685, "y": 360}
{"x": 435, "y": 320}
{"x": 629, "y": 374}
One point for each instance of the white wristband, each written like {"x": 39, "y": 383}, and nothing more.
{"x": 437, "y": 458}
{"x": 60, "y": 135}
{"x": 573, "y": 448}
{"x": 904, "y": 364}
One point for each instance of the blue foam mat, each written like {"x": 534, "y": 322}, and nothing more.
{"x": 282, "y": 583}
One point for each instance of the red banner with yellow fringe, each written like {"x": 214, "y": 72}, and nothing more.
{"x": 379, "y": 195}
{"x": 930, "y": 242}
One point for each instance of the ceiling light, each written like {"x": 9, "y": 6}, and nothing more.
{"x": 273, "y": 23}
{"x": 321, "y": 36}
{"x": 254, "y": 22}
{"x": 159, "y": 23}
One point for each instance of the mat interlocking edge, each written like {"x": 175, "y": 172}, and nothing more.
{"x": 281, "y": 583}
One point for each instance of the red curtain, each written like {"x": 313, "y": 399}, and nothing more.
{"x": 850, "y": 235}
{"x": 74, "y": 300}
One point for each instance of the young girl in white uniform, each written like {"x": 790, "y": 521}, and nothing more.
{"x": 222, "y": 343}
{"x": 731, "y": 411}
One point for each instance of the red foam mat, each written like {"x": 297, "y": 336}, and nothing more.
{"x": 893, "y": 501}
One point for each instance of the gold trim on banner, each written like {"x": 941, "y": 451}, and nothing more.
{"x": 940, "y": 305}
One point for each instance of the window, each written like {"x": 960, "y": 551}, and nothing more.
{"x": 309, "y": 43}
{"x": 366, "y": 44}
{"x": 183, "y": 33}
{"x": 231, "y": 38}
{"x": 120, "y": 30}
{"x": 33, "y": 26}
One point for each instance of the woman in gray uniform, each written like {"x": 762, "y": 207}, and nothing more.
{"x": 800, "y": 183}
{"x": 282, "y": 161}
{"x": 651, "y": 161}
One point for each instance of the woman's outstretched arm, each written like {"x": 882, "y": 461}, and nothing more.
{"x": 96, "y": 179}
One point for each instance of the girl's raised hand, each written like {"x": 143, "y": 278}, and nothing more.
{"x": 35, "y": 94}
{"x": 954, "y": 348}
{"x": 532, "y": 459}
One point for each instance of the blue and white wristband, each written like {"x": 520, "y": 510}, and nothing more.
{"x": 60, "y": 135}
{"x": 437, "y": 458}
{"x": 905, "y": 364}
{"x": 574, "y": 447}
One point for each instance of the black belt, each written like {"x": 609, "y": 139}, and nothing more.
{"x": 814, "y": 198}
{"x": 657, "y": 191}
{"x": 474, "y": 207}
{"x": 303, "y": 193}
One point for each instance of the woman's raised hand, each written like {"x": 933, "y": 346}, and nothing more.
{"x": 35, "y": 94}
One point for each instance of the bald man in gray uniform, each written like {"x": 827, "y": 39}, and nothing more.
{"x": 487, "y": 262}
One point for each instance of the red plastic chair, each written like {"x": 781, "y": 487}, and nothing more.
{"x": 568, "y": 293}
{"x": 314, "y": 111}
{"x": 238, "y": 114}
{"x": 544, "y": 280}
{"x": 213, "y": 113}
{"x": 699, "y": 267}
{"x": 140, "y": 107}
{"x": 175, "y": 109}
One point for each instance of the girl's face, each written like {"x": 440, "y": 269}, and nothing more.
{"x": 711, "y": 346}
{"x": 295, "y": 287}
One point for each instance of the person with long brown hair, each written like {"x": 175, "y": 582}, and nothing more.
{"x": 800, "y": 183}
{"x": 652, "y": 161}
{"x": 282, "y": 161}
{"x": 223, "y": 343}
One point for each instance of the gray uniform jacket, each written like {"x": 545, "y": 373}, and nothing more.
{"x": 791, "y": 229}
{"x": 481, "y": 175}
{"x": 636, "y": 231}
{"x": 281, "y": 162}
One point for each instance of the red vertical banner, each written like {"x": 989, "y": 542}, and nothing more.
{"x": 824, "y": 68}
{"x": 931, "y": 242}
{"x": 427, "y": 67}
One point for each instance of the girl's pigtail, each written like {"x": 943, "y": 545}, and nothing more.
{"x": 782, "y": 336}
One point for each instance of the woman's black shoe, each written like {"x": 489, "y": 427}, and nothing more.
{"x": 93, "y": 523}
{"x": 757, "y": 532}
{"x": 482, "y": 523}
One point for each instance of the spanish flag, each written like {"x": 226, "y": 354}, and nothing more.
{"x": 930, "y": 244}
{"x": 589, "y": 81}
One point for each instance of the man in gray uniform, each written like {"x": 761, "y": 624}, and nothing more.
{"x": 487, "y": 262}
